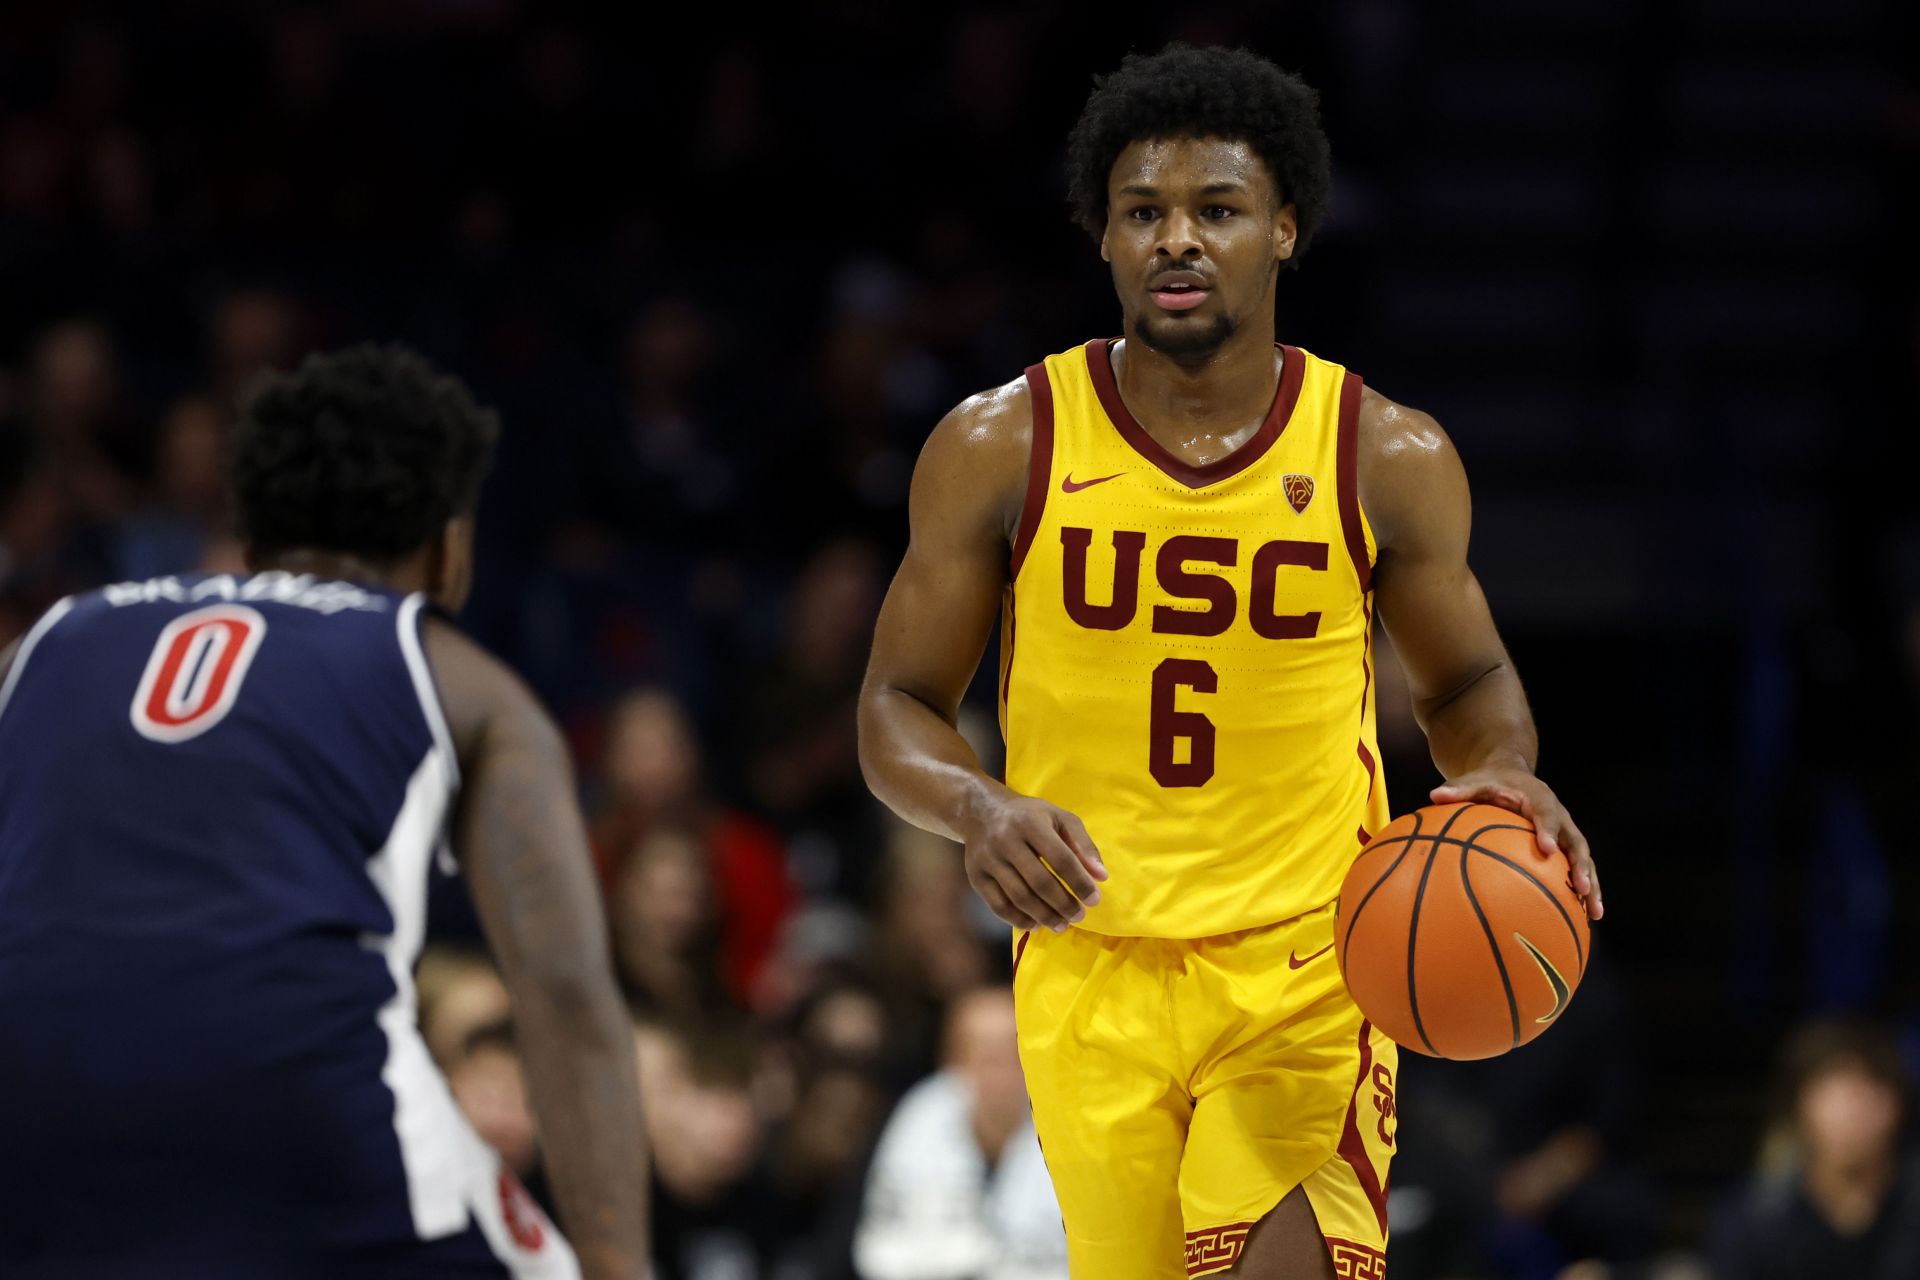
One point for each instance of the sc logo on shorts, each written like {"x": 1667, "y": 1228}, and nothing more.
{"x": 1383, "y": 1101}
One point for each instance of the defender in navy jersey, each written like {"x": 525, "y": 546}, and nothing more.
{"x": 220, "y": 801}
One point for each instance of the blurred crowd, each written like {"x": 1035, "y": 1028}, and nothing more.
{"x": 720, "y": 284}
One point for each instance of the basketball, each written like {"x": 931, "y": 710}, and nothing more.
{"x": 1456, "y": 935}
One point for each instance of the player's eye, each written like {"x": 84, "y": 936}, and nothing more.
{"x": 1217, "y": 211}
{"x": 1142, "y": 214}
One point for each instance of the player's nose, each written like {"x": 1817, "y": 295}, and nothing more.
{"x": 1178, "y": 236}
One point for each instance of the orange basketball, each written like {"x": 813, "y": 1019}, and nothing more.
{"x": 1456, "y": 935}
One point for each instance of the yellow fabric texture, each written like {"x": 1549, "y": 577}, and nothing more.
{"x": 1182, "y": 1087}
{"x": 1216, "y": 735}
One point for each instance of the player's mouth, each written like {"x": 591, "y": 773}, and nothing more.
{"x": 1179, "y": 290}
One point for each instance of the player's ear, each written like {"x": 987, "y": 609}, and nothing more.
{"x": 453, "y": 564}
{"x": 1286, "y": 229}
{"x": 1105, "y": 254}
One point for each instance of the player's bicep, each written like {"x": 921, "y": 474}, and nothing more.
{"x": 1429, "y": 599}
{"x": 940, "y": 608}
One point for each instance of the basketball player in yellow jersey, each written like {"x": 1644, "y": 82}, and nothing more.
{"x": 1188, "y": 533}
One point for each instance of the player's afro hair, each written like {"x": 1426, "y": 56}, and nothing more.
{"x": 1184, "y": 92}
{"x": 366, "y": 451}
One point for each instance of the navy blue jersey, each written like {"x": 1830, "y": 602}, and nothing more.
{"x": 220, "y": 803}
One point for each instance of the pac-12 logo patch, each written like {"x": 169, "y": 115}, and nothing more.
{"x": 1299, "y": 491}
{"x": 195, "y": 671}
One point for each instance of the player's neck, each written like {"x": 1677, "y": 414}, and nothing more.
{"x": 1231, "y": 388}
{"x": 407, "y": 575}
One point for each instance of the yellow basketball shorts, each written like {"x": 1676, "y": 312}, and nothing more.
{"x": 1182, "y": 1087}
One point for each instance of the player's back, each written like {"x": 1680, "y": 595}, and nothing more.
{"x": 219, "y": 802}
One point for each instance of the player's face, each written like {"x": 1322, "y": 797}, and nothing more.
{"x": 1195, "y": 234}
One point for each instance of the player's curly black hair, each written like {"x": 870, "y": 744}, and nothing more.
{"x": 367, "y": 451}
{"x": 1184, "y": 92}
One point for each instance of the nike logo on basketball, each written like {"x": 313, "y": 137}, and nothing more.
{"x": 1295, "y": 962}
{"x": 1069, "y": 485}
{"x": 1558, "y": 983}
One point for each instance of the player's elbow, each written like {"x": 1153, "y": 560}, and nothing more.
{"x": 871, "y": 730}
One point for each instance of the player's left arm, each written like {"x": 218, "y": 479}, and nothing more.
{"x": 1466, "y": 693}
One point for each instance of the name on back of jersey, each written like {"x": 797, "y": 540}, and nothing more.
{"x": 302, "y": 590}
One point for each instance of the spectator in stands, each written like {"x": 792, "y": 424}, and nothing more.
{"x": 958, "y": 1189}
{"x": 487, "y": 1082}
{"x": 1837, "y": 1195}
{"x": 654, "y": 778}
{"x": 460, "y": 994}
{"x": 666, "y": 937}
{"x": 175, "y": 530}
{"x": 705, "y": 1133}
{"x": 795, "y": 720}
{"x": 928, "y": 952}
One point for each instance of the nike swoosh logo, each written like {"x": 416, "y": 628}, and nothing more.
{"x": 1295, "y": 962}
{"x": 1559, "y": 984}
{"x": 1069, "y": 485}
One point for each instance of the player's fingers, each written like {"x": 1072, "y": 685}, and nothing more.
{"x": 1047, "y": 885}
{"x": 1021, "y": 890}
{"x": 997, "y": 902}
{"x": 1586, "y": 875}
{"x": 1074, "y": 832}
{"x": 1480, "y": 793}
{"x": 1066, "y": 862}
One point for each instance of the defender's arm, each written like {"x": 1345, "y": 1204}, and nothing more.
{"x": 1032, "y": 862}
{"x": 524, "y": 849}
{"x": 1466, "y": 693}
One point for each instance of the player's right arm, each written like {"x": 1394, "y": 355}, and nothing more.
{"x": 968, "y": 488}
{"x": 524, "y": 849}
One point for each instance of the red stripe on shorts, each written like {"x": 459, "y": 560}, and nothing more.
{"x": 1353, "y": 1148}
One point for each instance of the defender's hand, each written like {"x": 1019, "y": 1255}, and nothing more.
{"x": 1526, "y": 795}
{"x": 1033, "y": 863}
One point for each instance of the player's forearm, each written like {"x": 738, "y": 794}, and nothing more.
{"x": 1483, "y": 724}
{"x": 526, "y": 852}
{"x": 918, "y": 765}
{"x": 582, "y": 1078}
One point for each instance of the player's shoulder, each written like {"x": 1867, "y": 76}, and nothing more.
{"x": 988, "y": 423}
{"x": 1408, "y": 470}
{"x": 1391, "y": 432}
{"x": 978, "y": 453}
{"x": 477, "y": 691}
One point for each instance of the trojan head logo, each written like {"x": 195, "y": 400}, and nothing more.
{"x": 1299, "y": 491}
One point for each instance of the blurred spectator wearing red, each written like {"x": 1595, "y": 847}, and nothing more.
{"x": 686, "y": 873}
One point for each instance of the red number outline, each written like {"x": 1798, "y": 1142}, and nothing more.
{"x": 221, "y": 639}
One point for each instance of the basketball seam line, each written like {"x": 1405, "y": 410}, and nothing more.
{"x": 1477, "y": 833}
{"x": 1579, "y": 952}
{"x": 1513, "y": 1007}
{"x": 1354, "y": 921}
{"x": 1413, "y": 927}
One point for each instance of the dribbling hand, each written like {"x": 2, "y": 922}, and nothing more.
{"x": 1033, "y": 863}
{"x": 1532, "y": 799}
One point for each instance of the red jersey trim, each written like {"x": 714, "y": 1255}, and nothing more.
{"x": 1347, "y": 454}
{"x": 1285, "y": 397}
{"x": 1039, "y": 466}
{"x": 1353, "y": 1148}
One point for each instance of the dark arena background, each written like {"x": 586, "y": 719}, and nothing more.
{"x": 722, "y": 269}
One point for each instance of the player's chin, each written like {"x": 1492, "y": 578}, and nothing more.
{"x": 1198, "y": 332}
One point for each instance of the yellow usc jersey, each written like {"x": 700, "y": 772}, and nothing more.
{"x": 1186, "y": 657}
